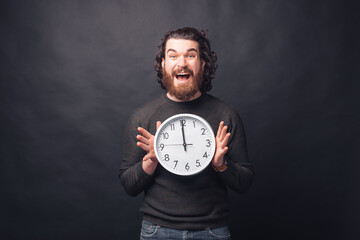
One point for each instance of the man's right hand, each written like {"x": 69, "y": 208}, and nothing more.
{"x": 146, "y": 142}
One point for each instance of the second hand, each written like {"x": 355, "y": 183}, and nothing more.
{"x": 179, "y": 144}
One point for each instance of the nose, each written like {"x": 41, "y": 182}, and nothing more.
{"x": 181, "y": 62}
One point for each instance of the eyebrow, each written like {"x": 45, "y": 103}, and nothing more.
{"x": 189, "y": 50}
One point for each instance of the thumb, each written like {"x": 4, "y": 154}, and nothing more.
{"x": 158, "y": 123}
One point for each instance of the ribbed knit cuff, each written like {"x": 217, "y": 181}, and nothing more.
{"x": 141, "y": 174}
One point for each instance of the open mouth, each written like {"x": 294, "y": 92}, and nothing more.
{"x": 182, "y": 76}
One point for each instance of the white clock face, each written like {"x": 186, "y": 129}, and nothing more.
{"x": 184, "y": 144}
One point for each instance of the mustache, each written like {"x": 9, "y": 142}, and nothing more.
{"x": 182, "y": 70}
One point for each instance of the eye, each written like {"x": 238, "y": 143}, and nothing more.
{"x": 191, "y": 56}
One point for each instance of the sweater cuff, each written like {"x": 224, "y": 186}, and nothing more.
{"x": 141, "y": 174}
{"x": 227, "y": 172}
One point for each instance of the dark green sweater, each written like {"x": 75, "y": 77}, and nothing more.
{"x": 186, "y": 202}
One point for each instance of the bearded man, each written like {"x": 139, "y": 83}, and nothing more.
{"x": 185, "y": 207}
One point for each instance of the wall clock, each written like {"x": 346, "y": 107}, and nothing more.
{"x": 184, "y": 144}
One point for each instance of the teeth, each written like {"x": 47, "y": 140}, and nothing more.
{"x": 183, "y": 75}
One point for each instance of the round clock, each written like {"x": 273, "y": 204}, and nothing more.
{"x": 184, "y": 144}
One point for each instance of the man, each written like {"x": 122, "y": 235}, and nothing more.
{"x": 191, "y": 207}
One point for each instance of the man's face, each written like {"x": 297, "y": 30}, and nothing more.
{"x": 182, "y": 68}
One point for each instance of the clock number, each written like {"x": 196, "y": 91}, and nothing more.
{"x": 162, "y": 146}
{"x": 203, "y": 131}
{"x": 208, "y": 143}
{"x": 167, "y": 158}
{"x": 176, "y": 162}
{"x": 205, "y": 155}
{"x": 187, "y": 167}
{"x": 172, "y": 126}
{"x": 198, "y": 164}
{"x": 194, "y": 123}
{"x": 165, "y": 135}
{"x": 183, "y": 122}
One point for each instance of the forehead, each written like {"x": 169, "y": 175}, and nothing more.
{"x": 181, "y": 45}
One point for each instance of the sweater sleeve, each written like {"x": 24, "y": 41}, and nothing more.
{"x": 132, "y": 176}
{"x": 239, "y": 174}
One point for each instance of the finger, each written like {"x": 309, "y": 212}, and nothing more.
{"x": 220, "y": 129}
{"x": 158, "y": 123}
{"x": 146, "y": 157}
{"x": 222, "y": 152}
{"x": 225, "y": 141}
{"x": 143, "y": 146}
{"x": 149, "y": 156}
{"x": 144, "y": 132}
{"x": 142, "y": 139}
{"x": 223, "y": 133}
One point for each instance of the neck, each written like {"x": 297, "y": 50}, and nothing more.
{"x": 198, "y": 94}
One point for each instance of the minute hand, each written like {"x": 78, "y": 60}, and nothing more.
{"x": 183, "y": 135}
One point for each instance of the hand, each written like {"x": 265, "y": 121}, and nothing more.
{"x": 222, "y": 139}
{"x": 183, "y": 135}
{"x": 146, "y": 142}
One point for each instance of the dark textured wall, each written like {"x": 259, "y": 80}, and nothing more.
{"x": 72, "y": 71}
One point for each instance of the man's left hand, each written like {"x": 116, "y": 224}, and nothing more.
{"x": 222, "y": 139}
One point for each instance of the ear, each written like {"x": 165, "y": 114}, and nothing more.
{"x": 162, "y": 63}
{"x": 202, "y": 64}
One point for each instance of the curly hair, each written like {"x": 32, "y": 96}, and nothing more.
{"x": 205, "y": 54}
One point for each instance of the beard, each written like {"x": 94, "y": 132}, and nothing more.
{"x": 187, "y": 91}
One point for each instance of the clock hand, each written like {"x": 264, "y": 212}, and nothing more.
{"x": 178, "y": 144}
{"x": 183, "y": 134}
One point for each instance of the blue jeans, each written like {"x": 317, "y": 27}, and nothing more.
{"x": 153, "y": 231}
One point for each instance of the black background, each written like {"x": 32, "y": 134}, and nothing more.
{"x": 72, "y": 71}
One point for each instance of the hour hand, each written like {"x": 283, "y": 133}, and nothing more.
{"x": 183, "y": 135}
